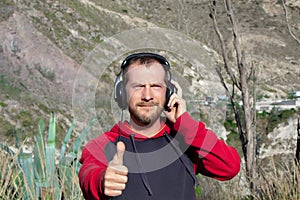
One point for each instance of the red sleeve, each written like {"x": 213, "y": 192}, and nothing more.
{"x": 214, "y": 157}
{"x": 94, "y": 164}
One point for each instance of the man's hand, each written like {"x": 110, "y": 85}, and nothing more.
{"x": 176, "y": 103}
{"x": 115, "y": 177}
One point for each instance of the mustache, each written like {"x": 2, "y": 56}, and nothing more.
{"x": 147, "y": 104}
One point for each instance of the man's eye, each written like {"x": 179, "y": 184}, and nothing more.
{"x": 156, "y": 86}
{"x": 138, "y": 86}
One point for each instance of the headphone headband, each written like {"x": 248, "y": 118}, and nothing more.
{"x": 162, "y": 60}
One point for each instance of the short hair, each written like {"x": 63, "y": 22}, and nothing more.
{"x": 147, "y": 61}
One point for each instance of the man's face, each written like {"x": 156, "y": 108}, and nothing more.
{"x": 146, "y": 89}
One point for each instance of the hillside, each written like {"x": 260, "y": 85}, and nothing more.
{"x": 46, "y": 46}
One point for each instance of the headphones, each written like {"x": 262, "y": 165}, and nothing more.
{"x": 120, "y": 94}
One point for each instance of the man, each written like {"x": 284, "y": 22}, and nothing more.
{"x": 151, "y": 156}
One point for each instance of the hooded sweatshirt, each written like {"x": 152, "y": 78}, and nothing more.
{"x": 162, "y": 167}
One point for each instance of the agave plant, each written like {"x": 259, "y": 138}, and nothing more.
{"x": 44, "y": 177}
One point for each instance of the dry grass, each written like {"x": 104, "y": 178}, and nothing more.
{"x": 276, "y": 181}
{"x": 279, "y": 182}
{"x": 9, "y": 176}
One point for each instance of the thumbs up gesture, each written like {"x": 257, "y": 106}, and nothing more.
{"x": 115, "y": 177}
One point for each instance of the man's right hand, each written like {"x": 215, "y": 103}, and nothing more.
{"x": 115, "y": 177}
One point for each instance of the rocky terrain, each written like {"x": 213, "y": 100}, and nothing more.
{"x": 49, "y": 48}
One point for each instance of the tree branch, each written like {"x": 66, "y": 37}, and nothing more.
{"x": 212, "y": 7}
{"x": 236, "y": 113}
{"x": 236, "y": 37}
{"x": 287, "y": 22}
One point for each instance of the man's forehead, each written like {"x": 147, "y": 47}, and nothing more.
{"x": 146, "y": 74}
{"x": 146, "y": 82}
{"x": 146, "y": 67}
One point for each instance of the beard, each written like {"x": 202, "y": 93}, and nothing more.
{"x": 144, "y": 119}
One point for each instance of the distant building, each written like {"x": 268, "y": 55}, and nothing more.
{"x": 296, "y": 94}
{"x": 286, "y": 104}
{"x": 222, "y": 98}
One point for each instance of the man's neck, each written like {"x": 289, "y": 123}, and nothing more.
{"x": 147, "y": 130}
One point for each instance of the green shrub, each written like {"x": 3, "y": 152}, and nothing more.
{"x": 275, "y": 117}
{"x": 2, "y": 104}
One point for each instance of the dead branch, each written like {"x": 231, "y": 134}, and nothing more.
{"x": 235, "y": 31}
{"x": 287, "y": 22}
{"x": 236, "y": 112}
{"x": 298, "y": 142}
{"x": 212, "y": 7}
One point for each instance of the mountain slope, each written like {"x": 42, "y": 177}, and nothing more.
{"x": 44, "y": 43}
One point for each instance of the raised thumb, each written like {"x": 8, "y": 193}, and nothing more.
{"x": 120, "y": 153}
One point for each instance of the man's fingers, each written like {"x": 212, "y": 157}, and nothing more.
{"x": 120, "y": 151}
{"x": 114, "y": 186}
{"x": 115, "y": 177}
{"x": 118, "y": 170}
{"x": 114, "y": 183}
{"x": 112, "y": 193}
{"x": 118, "y": 157}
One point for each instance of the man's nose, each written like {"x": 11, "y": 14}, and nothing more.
{"x": 147, "y": 94}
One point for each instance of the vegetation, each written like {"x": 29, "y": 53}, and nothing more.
{"x": 266, "y": 122}
{"x": 48, "y": 74}
{"x": 270, "y": 120}
{"x": 276, "y": 182}
{"x": 8, "y": 87}
{"x": 41, "y": 175}
{"x": 7, "y": 8}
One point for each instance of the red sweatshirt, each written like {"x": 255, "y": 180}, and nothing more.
{"x": 161, "y": 167}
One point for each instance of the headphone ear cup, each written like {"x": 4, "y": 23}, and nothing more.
{"x": 121, "y": 97}
{"x": 169, "y": 91}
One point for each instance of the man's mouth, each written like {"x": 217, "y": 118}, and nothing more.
{"x": 147, "y": 104}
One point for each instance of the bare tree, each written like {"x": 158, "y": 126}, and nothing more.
{"x": 288, "y": 23}
{"x": 245, "y": 117}
{"x": 298, "y": 142}
{"x": 298, "y": 41}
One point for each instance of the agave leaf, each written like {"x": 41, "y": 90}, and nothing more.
{"x": 82, "y": 137}
{"x": 39, "y": 153}
{"x": 67, "y": 174}
{"x": 66, "y": 139}
{"x": 69, "y": 165}
{"x": 78, "y": 143}
{"x": 52, "y": 130}
{"x": 7, "y": 149}
{"x": 41, "y": 129}
{"x": 25, "y": 160}
{"x": 18, "y": 144}
{"x": 50, "y": 152}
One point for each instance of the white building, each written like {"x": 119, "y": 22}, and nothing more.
{"x": 280, "y": 104}
{"x": 297, "y": 94}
